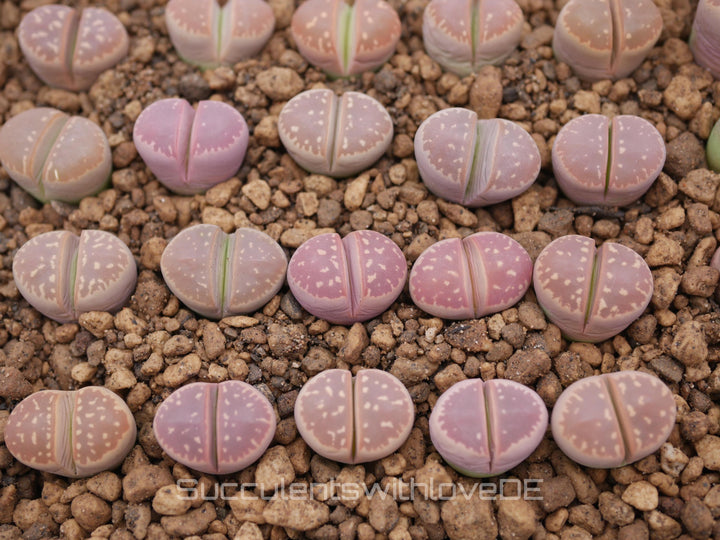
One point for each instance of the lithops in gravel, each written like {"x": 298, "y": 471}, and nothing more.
{"x": 68, "y": 47}
{"x": 336, "y": 136}
{"x": 218, "y": 275}
{"x": 487, "y": 428}
{"x": 63, "y": 275}
{"x": 73, "y": 434}
{"x": 347, "y": 280}
{"x": 483, "y": 273}
{"x": 612, "y": 419}
{"x": 206, "y": 33}
{"x": 354, "y": 419}
{"x": 607, "y": 161}
{"x": 345, "y": 37}
{"x": 606, "y": 39}
{"x": 475, "y": 162}
{"x": 713, "y": 148}
{"x": 215, "y": 428}
{"x": 190, "y": 150}
{"x": 55, "y": 157}
{"x": 591, "y": 293}
{"x": 705, "y": 38}
{"x": 464, "y": 35}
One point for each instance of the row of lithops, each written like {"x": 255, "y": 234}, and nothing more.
{"x": 705, "y": 38}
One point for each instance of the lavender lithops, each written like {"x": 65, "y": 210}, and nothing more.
{"x": 189, "y": 150}
{"x": 464, "y": 35}
{"x": 207, "y": 34}
{"x": 713, "y": 148}
{"x": 475, "y": 162}
{"x": 483, "y": 273}
{"x": 487, "y": 428}
{"x": 603, "y": 161}
{"x": 69, "y": 48}
{"x": 606, "y": 39}
{"x": 344, "y": 37}
{"x": 612, "y": 419}
{"x": 215, "y": 428}
{"x": 55, "y": 157}
{"x": 704, "y": 36}
{"x": 347, "y": 280}
{"x": 63, "y": 275}
{"x": 336, "y": 136}
{"x": 591, "y": 293}
{"x": 354, "y": 419}
{"x": 73, "y": 434}
{"x": 218, "y": 274}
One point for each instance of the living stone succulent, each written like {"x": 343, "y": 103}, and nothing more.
{"x": 713, "y": 148}
{"x": 704, "y": 37}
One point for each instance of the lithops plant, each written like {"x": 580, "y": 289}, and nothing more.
{"x": 218, "y": 275}
{"x": 69, "y": 48}
{"x": 483, "y": 273}
{"x": 63, "y": 275}
{"x": 591, "y": 293}
{"x": 464, "y": 35}
{"x": 613, "y": 419}
{"x": 79, "y": 433}
{"x": 704, "y": 37}
{"x": 487, "y": 428}
{"x": 713, "y": 148}
{"x": 55, "y": 157}
{"x": 215, "y": 428}
{"x": 336, "y": 136}
{"x": 475, "y": 162}
{"x": 189, "y": 150}
{"x": 603, "y": 161}
{"x": 205, "y": 33}
{"x": 345, "y": 37}
{"x": 347, "y": 280}
{"x": 606, "y": 39}
{"x": 354, "y": 419}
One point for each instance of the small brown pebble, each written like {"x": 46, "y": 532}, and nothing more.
{"x": 274, "y": 469}
{"x": 469, "y": 518}
{"x": 532, "y": 316}
{"x": 689, "y": 345}
{"x": 556, "y": 492}
{"x": 684, "y": 153}
{"x": 279, "y": 83}
{"x": 106, "y": 485}
{"x": 247, "y": 506}
{"x": 664, "y": 251}
{"x": 614, "y": 510}
{"x": 642, "y": 495}
{"x": 170, "y": 500}
{"x": 700, "y": 281}
{"x": 486, "y": 92}
{"x": 355, "y": 343}
{"x": 13, "y": 384}
{"x": 90, "y": 511}
{"x": 194, "y": 522}
{"x": 383, "y": 513}
{"x": 694, "y": 426}
{"x": 662, "y": 525}
{"x": 296, "y": 513}
{"x": 526, "y": 366}
{"x": 701, "y": 185}
{"x": 708, "y": 448}
{"x": 141, "y": 482}
{"x": 682, "y": 97}
{"x": 516, "y": 518}
{"x": 526, "y": 211}
{"x": 697, "y": 518}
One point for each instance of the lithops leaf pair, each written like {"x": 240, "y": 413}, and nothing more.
{"x": 69, "y": 48}
{"x": 346, "y": 38}
{"x": 347, "y": 280}
{"x": 354, "y": 419}
{"x": 218, "y": 274}
{"x": 207, "y": 34}
{"x": 713, "y": 148}
{"x": 189, "y": 150}
{"x": 603, "y": 161}
{"x": 63, "y": 275}
{"x": 79, "y": 433}
{"x": 464, "y": 35}
{"x": 705, "y": 38}
{"x": 215, "y": 428}
{"x": 475, "y": 162}
{"x": 613, "y": 419}
{"x": 487, "y": 428}
{"x": 55, "y": 157}
{"x": 591, "y": 293}
{"x": 336, "y": 136}
{"x": 606, "y": 39}
{"x": 483, "y": 273}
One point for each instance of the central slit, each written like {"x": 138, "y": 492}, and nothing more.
{"x": 616, "y": 28}
{"x": 472, "y": 181}
{"x": 591, "y": 292}
{"x": 474, "y": 27}
{"x": 488, "y": 428}
{"x": 214, "y": 428}
{"x": 609, "y": 158}
{"x": 614, "y": 400}
{"x": 472, "y": 262}
{"x": 223, "y": 260}
{"x": 345, "y": 34}
{"x": 72, "y": 30}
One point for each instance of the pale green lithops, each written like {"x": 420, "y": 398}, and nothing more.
{"x": 713, "y": 148}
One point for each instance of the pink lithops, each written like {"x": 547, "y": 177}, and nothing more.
{"x": 55, "y": 157}
{"x": 208, "y": 34}
{"x": 218, "y": 274}
{"x": 475, "y": 162}
{"x": 347, "y": 280}
{"x": 344, "y": 37}
{"x": 487, "y": 428}
{"x": 606, "y": 39}
{"x": 483, "y": 273}
{"x": 215, "y": 428}
{"x": 189, "y": 150}
{"x": 336, "y": 136}
{"x": 354, "y": 419}
{"x": 705, "y": 38}
{"x": 79, "y": 433}
{"x": 604, "y": 161}
{"x": 613, "y": 419}
{"x": 63, "y": 275}
{"x": 70, "y": 48}
{"x": 591, "y": 293}
{"x": 464, "y": 35}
